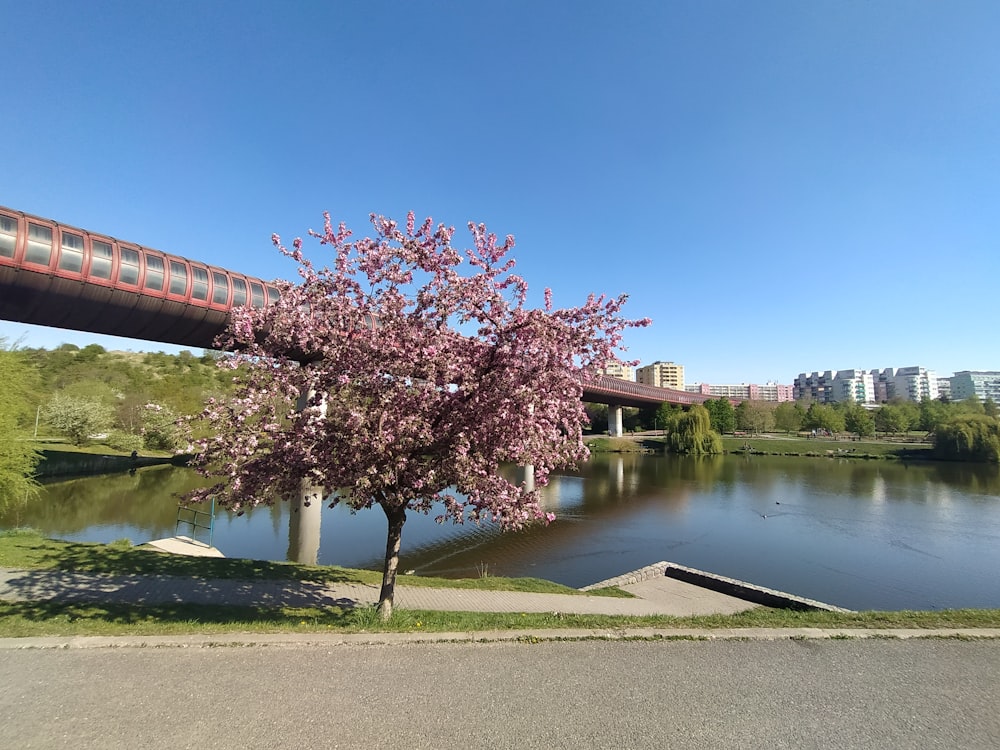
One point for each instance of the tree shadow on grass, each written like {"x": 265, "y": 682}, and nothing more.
{"x": 153, "y": 589}
{"x": 85, "y": 618}
{"x": 111, "y": 559}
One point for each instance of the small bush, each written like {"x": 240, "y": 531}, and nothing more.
{"x": 124, "y": 441}
{"x": 20, "y": 531}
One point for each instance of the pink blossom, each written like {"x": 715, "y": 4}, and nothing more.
{"x": 416, "y": 412}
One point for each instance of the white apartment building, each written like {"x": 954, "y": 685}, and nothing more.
{"x": 769, "y": 391}
{"x": 661, "y": 375}
{"x": 915, "y": 384}
{"x": 852, "y": 385}
{"x": 906, "y": 383}
{"x": 741, "y": 391}
{"x": 872, "y": 387}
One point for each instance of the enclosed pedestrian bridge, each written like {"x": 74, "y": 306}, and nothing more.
{"x": 56, "y": 275}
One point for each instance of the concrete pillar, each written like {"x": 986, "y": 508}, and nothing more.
{"x": 529, "y": 477}
{"x": 529, "y": 469}
{"x": 305, "y": 516}
{"x": 304, "y": 522}
{"x": 615, "y": 421}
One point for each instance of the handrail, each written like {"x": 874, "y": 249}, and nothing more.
{"x": 194, "y": 521}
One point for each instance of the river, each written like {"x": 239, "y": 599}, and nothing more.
{"x": 858, "y": 534}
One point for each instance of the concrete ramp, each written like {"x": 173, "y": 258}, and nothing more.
{"x": 184, "y": 545}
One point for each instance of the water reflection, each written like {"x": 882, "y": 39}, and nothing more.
{"x": 861, "y": 534}
{"x": 121, "y": 501}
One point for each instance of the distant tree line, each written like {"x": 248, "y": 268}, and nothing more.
{"x": 962, "y": 430}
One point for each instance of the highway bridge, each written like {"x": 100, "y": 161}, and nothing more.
{"x": 52, "y": 274}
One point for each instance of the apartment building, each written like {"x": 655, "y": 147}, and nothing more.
{"x": 661, "y": 375}
{"x": 618, "y": 370}
{"x": 852, "y": 385}
{"x": 982, "y": 384}
{"x": 883, "y": 381}
{"x": 871, "y": 387}
{"x": 909, "y": 383}
{"x": 813, "y": 387}
{"x": 769, "y": 391}
{"x": 944, "y": 389}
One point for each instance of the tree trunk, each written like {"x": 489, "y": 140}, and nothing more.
{"x": 396, "y": 516}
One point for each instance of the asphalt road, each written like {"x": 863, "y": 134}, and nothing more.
{"x": 589, "y": 694}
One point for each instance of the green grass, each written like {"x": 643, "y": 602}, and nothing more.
{"x": 22, "y": 619}
{"x": 779, "y": 445}
{"x": 61, "y": 445}
{"x": 792, "y": 445}
{"x": 28, "y": 549}
{"x": 618, "y": 445}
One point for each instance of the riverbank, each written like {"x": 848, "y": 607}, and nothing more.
{"x": 776, "y": 445}
{"x": 847, "y": 447}
{"x": 62, "y": 461}
{"x": 55, "y": 617}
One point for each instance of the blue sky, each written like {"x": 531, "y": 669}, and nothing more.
{"x": 781, "y": 186}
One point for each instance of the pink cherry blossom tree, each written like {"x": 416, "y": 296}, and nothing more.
{"x": 403, "y": 375}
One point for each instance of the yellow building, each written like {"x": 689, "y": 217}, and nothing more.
{"x": 661, "y": 375}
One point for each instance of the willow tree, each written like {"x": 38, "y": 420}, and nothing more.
{"x": 692, "y": 433}
{"x": 18, "y": 457}
{"x": 969, "y": 437}
{"x": 404, "y": 374}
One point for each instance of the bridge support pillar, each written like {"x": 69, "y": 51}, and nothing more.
{"x": 305, "y": 513}
{"x": 529, "y": 477}
{"x": 615, "y": 421}
{"x": 304, "y": 521}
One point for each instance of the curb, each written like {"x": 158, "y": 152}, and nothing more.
{"x": 323, "y": 640}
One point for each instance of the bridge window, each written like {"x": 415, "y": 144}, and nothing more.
{"x": 8, "y": 236}
{"x": 199, "y": 289}
{"x": 178, "y": 278}
{"x": 154, "y": 272}
{"x": 239, "y": 292}
{"x": 128, "y": 267}
{"x": 272, "y": 295}
{"x": 39, "y": 245}
{"x": 100, "y": 260}
{"x": 71, "y": 255}
{"x": 256, "y": 295}
{"x": 220, "y": 288}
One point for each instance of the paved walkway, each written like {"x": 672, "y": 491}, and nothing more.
{"x": 654, "y": 596}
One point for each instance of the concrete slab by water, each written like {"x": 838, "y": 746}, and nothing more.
{"x": 670, "y": 581}
{"x": 184, "y": 545}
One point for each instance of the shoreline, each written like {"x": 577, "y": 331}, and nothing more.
{"x": 777, "y": 445}
{"x": 58, "y": 465}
